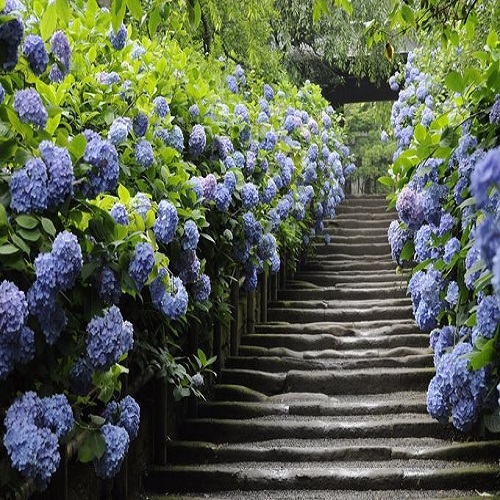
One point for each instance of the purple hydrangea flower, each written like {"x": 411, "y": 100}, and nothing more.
{"x": 452, "y": 293}
{"x": 191, "y": 236}
{"x": 209, "y": 185}
{"x": 11, "y": 35}
{"x": 409, "y": 207}
{"x": 451, "y": 248}
{"x": 222, "y": 198}
{"x": 194, "y": 111}
{"x": 28, "y": 187}
{"x": 166, "y": 222}
{"x": 119, "y": 130}
{"x": 173, "y": 301}
{"x": 59, "y": 45}
{"x": 29, "y": 106}
{"x": 108, "y": 338}
{"x": 486, "y": 174}
{"x": 34, "y": 50}
{"x": 108, "y": 286}
{"x": 189, "y": 266}
{"x": 249, "y": 195}
{"x": 232, "y": 84}
{"x": 202, "y": 288}
{"x": 119, "y": 213}
{"x": 57, "y": 415}
{"x": 162, "y": 109}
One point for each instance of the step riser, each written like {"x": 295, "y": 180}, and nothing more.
{"x": 236, "y": 432}
{"x": 321, "y": 342}
{"x": 335, "y": 279}
{"x": 330, "y": 383}
{"x": 367, "y": 249}
{"x": 307, "y": 303}
{"x": 352, "y": 223}
{"x": 341, "y": 294}
{"x": 319, "y": 480}
{"x": 314, "y": 315}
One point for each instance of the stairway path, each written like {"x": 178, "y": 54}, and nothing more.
{"x": 327, "y": 399}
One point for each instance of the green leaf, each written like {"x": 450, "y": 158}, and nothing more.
{"x": 8, "y": 249}
{"x": 492, "y": 39}
{"x": 407, "y": 14}
{"x": 492, "y": 420}
{"x": 420, "y": 133}
{"x": 92, "y": 447}
{"x": 4, "y": 221}
{"x": 408, "y": 250}
{"x": 48, "y": 23}
{"x": 194, "y": 12}
{"x": 320, "y": 8}
{"x": 27, "y": 221}
{"x": 19, "y": 242}
{"x": 29, "y": 235}
{"x": 48, "y": 226}
{"x": 118, "y": 8}
{"x": 386, "y": 181}
{"x": 154, "y": 21}
{"x": 63, "y": 10}
{"x": 454, "y": 81}
{"x": 483, "y": 357}
{"x": 135, "y": 8}
{"x": 77, "y": 146}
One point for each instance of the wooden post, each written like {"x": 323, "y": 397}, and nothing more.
{"x": 274, "y": 286}
{"x": 160, "y": 432}
{"x": 250, "y": 313}
{"x": 235, "y": 317}
{"x": 193, "y": 344}
{"x": 217, "y": 349}
{"x": 59, "y": 485}
{"x": 263, "y": 297}
{"x": 283, "y": 272}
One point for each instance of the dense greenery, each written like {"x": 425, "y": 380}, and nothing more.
{"x": 140, "y": 178}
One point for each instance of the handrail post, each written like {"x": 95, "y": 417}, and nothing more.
{"x": 235, "y": 317}
{"x": 263, "y": 297}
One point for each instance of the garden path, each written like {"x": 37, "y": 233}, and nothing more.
{"x": 327, "y": 399}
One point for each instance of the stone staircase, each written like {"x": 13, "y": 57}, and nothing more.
{"x": 327, "y": 399}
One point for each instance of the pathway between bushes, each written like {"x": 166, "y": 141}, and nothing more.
{"x": 327, "y": 399}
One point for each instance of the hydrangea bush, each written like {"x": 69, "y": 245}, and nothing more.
{"x": 138, "y": 179}
{"x": 446, "y": 174}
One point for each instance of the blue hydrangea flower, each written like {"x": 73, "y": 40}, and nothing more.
{"x": 251, "y": 279}
{"x": 67, "y": 255}
{"x": 29, "y": 106}
{"x": 28, "y": 187}
{"x": 141, "y": 264}
{"x": 141, "y": 204}
{"x": 495, "y": 111}
{"x": 166, "y": 222}
{"x": 34, "y": 50}
{"x": 222, "y": 198}
{"x": 223, "y": 146}
{"x": 268, "y": 92}
{"x": 173, "y": 301}
{"x": 488, "y": 317}
{"x": 162, "y": 109}
{"x": 202, "y": 288}
{"x": 2, "y": 93}
{"x": 137, "y": 52}
{"x": 109, "y": 79}
{"x": 197, "y": 140}
{"x": 496, "y": 272}
{"x": 57, "y": 415}
{"x": 488, "y": 238}
{"x": 194, "y": 111}
{"x": 232, "y": 84}
{"x": 252, "y": 228}
{"x": 108, "y": 286}
{"x": 486, "y": 174}
{"x": 267, "y": 246}
{"x": 473, "y": 256}
{"x": 189, "y": 267}
{"x": 241, "y": 112}
{"x": 119, "y": 213}
{"x": 126, "y": 414}
{"x": 117, "y": 440}
{"x": 175, "y": 139}
{"x": 197, "y": 380}
{"x": 249, "y": 195}
{"x": 209, "y": 185}
{"x": 269, "y": 192}
{"x": 59, "y": 171}
{"x": 451, "y": 248}
{"x": 230, "y": 182}
{"x": 13, "y": 310}
{"x": 140, "y": 124}
{"x": 423, "y": 243}
{"x": 59, "y": 45}
{"x": 80, "y": 377}
{"x": 119, "y": 130}
{"x": 11, "y": 35}
{"x": 452, "y": 293}
{"x": 108, "y": 338}
{"x": 103, "y": 158}
{"x": 119, "y": 38}
{"x": 144, "y": 154}
{"x": 191, "y": 236}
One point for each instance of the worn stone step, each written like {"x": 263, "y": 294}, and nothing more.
{"x": 342, "y": 329}
{"x": 299, "y": 315}
{"x": 329, "y": 258}
{"x": 363, "y": 214}
{"x": 318, "y": 342}
{"x": 356, "y": 238}
{"x": 382, "y": 267}
{"x": 355, "y": 231}
{"x": 395, "y": 494}
{"x": 289, "y": 451}
{"x": 361, "y": 249}
{"x": 360, "y": 224}
{"x": 331, "y": 406}
{"x": 307, "y": 303}
{"x": 332, "y": 382}
{"x": 328, "y": 476}
{"x": 336, "y": 293}
{"x": 262, "y": 429}
{"x": 279, "y": 359}
{"x": 352, "y": 279}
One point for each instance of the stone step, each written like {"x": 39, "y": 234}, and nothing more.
{"x": 355, "y": 267}
{"x": 331, "y": 382}
{"x": 329, "y": 406}
{"x": 299, "y": 315}
{"x": 360, "y": 249}
{"x": 335, "y": 293}
{"x": 266, "y": 428}
{"x": 290, "y": 451}
{"x": 357, "y": 238}
{"x": 319, "y": 342}
{"x": 308, "y": 303}
{"x": 352, "y": 279}
{"x": 360, "y": 224}
{"x": 341, "y": 329}
{"x": 340, "y": 231}
{"x": 279, "y": 359}
{"x": 329, "y": 476}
